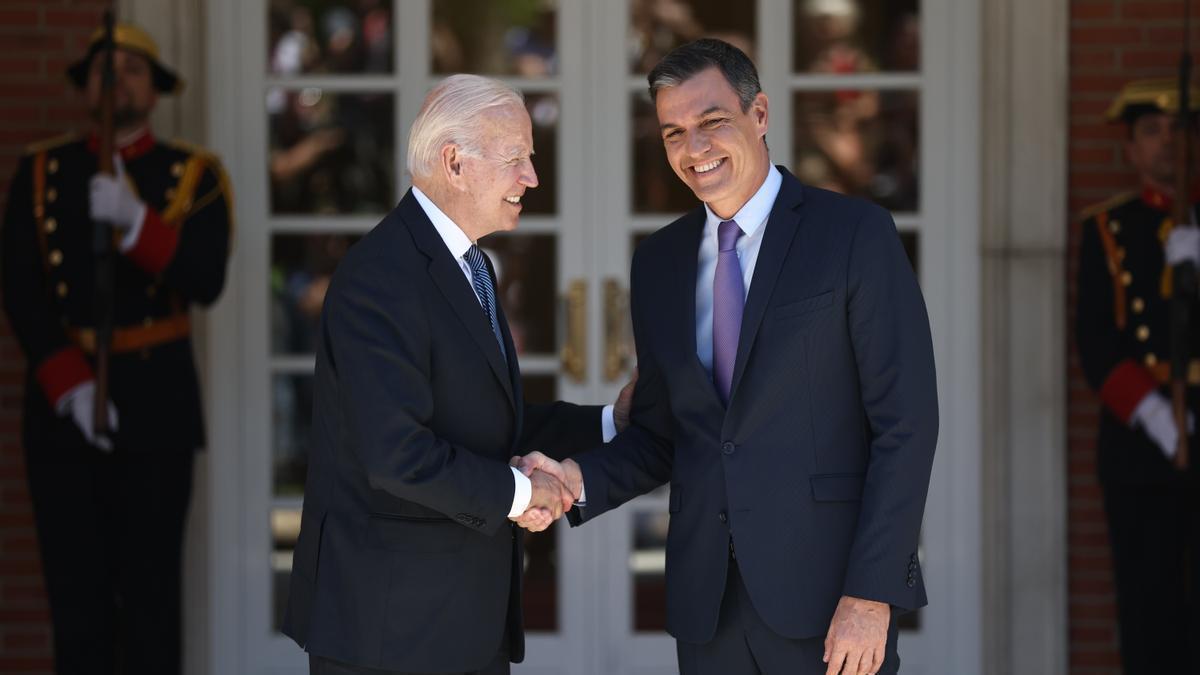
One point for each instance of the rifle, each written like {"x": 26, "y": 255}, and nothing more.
{"x": 102, "y": 238}
{"x": 1184, "y": 295}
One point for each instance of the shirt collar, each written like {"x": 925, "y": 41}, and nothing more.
{"x": 754, "y": 212}
{"x": 456, "y": 240}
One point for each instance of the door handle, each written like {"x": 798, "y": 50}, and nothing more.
{"x": 573, "y": 357}
{"x": 616, "y": 330}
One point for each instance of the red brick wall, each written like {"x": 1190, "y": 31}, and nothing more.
{"x": 39, "y": 38}
{"x": 1111, "y": 41}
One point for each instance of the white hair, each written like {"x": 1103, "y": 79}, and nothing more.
{"x": 450, "y": 115}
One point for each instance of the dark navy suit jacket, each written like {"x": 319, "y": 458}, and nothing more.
{"x": 819, "y": 468}
{"x": 406, "y": 558}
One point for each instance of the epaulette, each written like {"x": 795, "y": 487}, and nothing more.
{"x": 51, "y": 143}
{"x": 1108, "y": 204}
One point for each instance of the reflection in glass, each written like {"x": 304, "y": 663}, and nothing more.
{"x": 526, "y": 280}
{"x": 857, "y": 36}
{"x": 285, "y": 529}
{"x": 658, "y": 26}
{"x": 648, "y": 565}
{"x": 301, "y": 267}
{"x": 331, "y": 153}
{"x": 656, "y": 188}
{"x": 862, "y": 143}
{"x": 544, "y": 111}
{"x": 495, "y": 37}
{"x": 292, "y": 399}
{"x": 329, "y": 36}
{"x": 540, "y": 597}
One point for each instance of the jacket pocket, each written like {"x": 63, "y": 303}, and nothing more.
{"x": 308, "y": 548}
{"x": 805, "y": 306}
{"x": 415, "y": 534}
{"x": 837, "y": 487}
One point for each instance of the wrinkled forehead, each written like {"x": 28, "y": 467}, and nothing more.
{"x": 506, "y": 130}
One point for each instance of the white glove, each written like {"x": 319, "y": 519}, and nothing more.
{"x": 1157, "y": 420}
{"x": 1184, "y": 246}
{"x": 113, "y": 202}
{"x": 78, "y": 403}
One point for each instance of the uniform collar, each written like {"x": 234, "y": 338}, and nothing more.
{"x": 135, "y": 147}
{"x": 1161, "y": 201}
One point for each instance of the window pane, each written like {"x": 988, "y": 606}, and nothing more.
{"x": 526, "y": 273}
{"x": 495, "y": 37}
{"x": 292, "y": 401}
{"x": 855, "y": 36}
{"x": 544, "y": 112}
{"x": 658, "y": 26}
{"x": 301, "y": 267}
{"x": 648, "y": 564}
{"x": 861, "y": 143}
{"x": 331, "y": 153}
{"x": 329, "y": 36}
{"x": 656, "y": 188}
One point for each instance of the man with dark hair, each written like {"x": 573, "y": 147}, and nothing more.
{"x": 786, "y": 391}
{"x": 110, "y": 507}
{"x": 1129, "y": 245}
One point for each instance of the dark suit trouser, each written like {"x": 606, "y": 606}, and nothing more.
{"x": 318, "y": 665}
{"x": 110, "y": 531}
{"x": 744, "y": 645}
{"x": 1154, "y": 532}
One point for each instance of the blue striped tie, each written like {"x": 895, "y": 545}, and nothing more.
{"x": 485, "y": 291}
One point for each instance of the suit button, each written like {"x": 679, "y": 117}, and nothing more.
{"x": 911, "y": 583}
{"x": 722, "y": 517}
{"x": 727, "y": 448}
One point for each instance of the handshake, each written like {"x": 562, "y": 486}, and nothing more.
{"x": 556, "y": 487}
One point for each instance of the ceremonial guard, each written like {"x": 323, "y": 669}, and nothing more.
{"x": 110, "y": 491}
{"x": 1130, "y": 248}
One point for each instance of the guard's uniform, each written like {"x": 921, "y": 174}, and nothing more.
{"x": 110, "y": 525}
{"x": 1153, "y": 509}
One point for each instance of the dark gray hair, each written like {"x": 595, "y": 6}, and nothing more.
{"x": 686, "y": 61}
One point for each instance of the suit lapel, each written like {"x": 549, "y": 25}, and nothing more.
{"x": 449, "y": 278}
{"x": 777, "y": 240}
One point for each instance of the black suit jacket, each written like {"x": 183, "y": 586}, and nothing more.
{"x": 406, "y": 559}
{"x": 819, "y": 468}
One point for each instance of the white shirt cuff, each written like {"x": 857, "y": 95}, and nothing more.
{"x": 521, "y": 495}
{"x": 608, "y": 426}
{"x": 131, "y": 236}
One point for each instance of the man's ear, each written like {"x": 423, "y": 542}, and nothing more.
{"x": 452, "y": 167}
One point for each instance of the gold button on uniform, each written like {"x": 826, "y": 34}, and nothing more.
{"x": 61, "y": 289}
{"x": 52, "y": 165}
{"x": 1114, "y": 226}
{"x": 1126, "y": 278}
{"x": 1151, "y": 360}
{"x": 51, "y": 225}
{"x": 177, "y": 169}
{"x": 1143, "y": 333}
{"x": 56, "y": 257}
{"x": 51, "y": 195}
{"x": 1139, "y": 305}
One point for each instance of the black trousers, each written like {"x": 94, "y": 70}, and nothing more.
{"x": 110, "y": 531}
{"x": 744, "y": 645}
{"x": 318, "y": 665}
{"x": 1154, "y": 532}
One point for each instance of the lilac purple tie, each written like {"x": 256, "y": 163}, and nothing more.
{"x": 729, "y": 297}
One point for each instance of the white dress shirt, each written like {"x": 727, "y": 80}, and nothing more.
{"x": 457, "y": 241}
{"x": 752, "y": 219}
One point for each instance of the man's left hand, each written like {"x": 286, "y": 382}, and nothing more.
{"x": 623, "y": 404}
{"x": 857, "y": 639}
{"x": 112, "y": 201}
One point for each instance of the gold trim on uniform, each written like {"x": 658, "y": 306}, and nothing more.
{"x": 1143, "y": 333}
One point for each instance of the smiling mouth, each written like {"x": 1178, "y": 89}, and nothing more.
{"x": 701, "y": 169}
{"x": 515, "y": 201}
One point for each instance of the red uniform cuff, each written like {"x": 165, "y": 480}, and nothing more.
{"x": 1125, "y": 387}
{"x": 155, "y": 246}
{"x": 61, "y": 372}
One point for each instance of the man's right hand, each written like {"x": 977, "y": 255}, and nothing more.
{"x": 1157, "y": 419}
{"x": 567, "y": 472}
{"x": 78, "y": 403}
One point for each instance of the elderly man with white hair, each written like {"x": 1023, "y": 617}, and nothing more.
{"x": 410, "y": 556}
